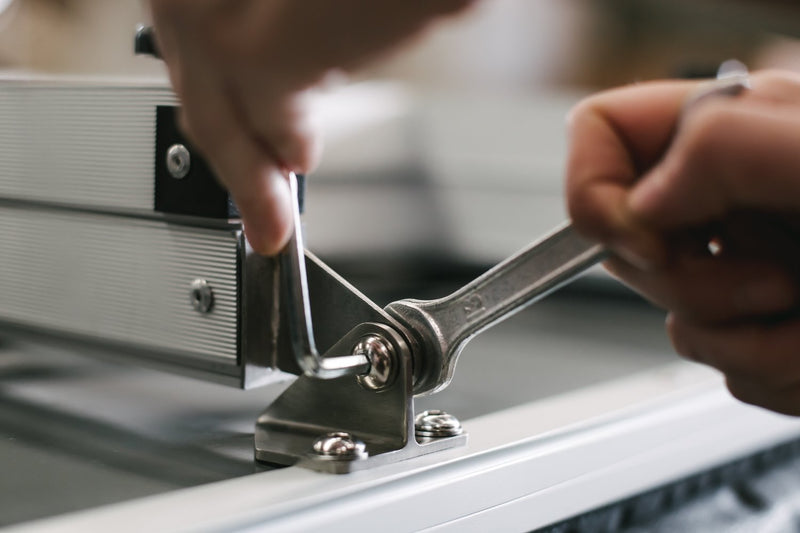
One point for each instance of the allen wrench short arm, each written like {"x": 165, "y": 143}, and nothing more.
{"x": 301, "y": 330}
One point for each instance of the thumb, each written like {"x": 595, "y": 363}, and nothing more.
{"x": 726, "y": 155}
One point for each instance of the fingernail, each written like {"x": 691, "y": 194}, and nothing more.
{"x": 259, "y": 244}
{"x": 268, "y": 223}
{"x": 267, "y": 241}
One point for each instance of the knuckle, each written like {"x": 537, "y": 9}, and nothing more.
{"x": 701, "y": 129}
{"x": 770, "y": 78}
{"x": 589, "y": 216}
{"x": 700, "y": 150}
{"x": 775, "y": 84}
{"x": 585, "y": 108}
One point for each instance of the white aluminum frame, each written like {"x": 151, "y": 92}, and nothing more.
{"x": 523, "y": 468}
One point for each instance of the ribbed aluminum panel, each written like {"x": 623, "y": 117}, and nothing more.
{"x": 119, "y": 279}
{"x": 79, "y": 143}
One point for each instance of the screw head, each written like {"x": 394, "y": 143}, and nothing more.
{"x": 179, "y": 161}
{"x": 339, "y": 446}
{"x": 201, "y": 296}
{"x": 382, "y": 358}
{"x": 436, "y": 424}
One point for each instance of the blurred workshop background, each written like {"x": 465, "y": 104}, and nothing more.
{"x": 501, "y": 44}
{"x": 452, "y": 148}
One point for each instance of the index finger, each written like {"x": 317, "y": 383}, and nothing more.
{"x": 615, "y": 137}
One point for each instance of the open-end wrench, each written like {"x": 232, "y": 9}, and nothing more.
{"x": 444, "y": 326}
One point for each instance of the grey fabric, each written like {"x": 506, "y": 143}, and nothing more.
{"x": 767, "y": 503}
{"x": 757, "y": 494}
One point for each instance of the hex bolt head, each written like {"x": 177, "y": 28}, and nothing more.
{"x": 201, "y": 296}
{"x": 435, "y": 424}
{"x": 339, "y": 446}
{"x": 179, "y": 161}
{"x": 381, "y": 356}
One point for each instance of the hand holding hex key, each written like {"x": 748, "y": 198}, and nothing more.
{"x": 244, "y": 71}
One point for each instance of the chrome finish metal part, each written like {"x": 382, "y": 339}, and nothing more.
{"x": 436, "y": 424}
{"x": 179, "y": 161}
{"x": 339, "y": 446}
{"x": 383, "y": 420}
{"x": 201, "y": 296}
{"x": 383, "y": 358}
{"x": 732, "y": 79}
{"x": 293, "y": 268}
{"x": 442, "y": 327}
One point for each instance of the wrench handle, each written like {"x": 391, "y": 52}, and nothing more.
{"x": 445, "y": 325}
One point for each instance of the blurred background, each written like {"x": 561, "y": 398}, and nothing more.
{"x": 452, "y": 148}
{"x": 501, "y": 44}
{"x": 447, "y": 155}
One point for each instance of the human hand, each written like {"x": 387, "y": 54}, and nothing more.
{"x": 657, "y": 187}
{"x": 243, "y": 71}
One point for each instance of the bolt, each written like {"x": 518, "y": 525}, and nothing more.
{"x": 340, "y": 446}
{"x": 179, "y": 161}
{"x": 201, "y": 296}
{"x": 436, "y": 424}
{"x": 382, "y": 362}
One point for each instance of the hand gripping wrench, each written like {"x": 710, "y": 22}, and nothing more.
{"x": 443, "y": 326}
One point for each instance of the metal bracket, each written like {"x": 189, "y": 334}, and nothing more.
{"x": 339, "y": 425}
{"x": 353, "y": 405}
{"x": 347, "y": 423}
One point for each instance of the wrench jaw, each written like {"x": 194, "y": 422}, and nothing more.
{"x": 433, "y": 360}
